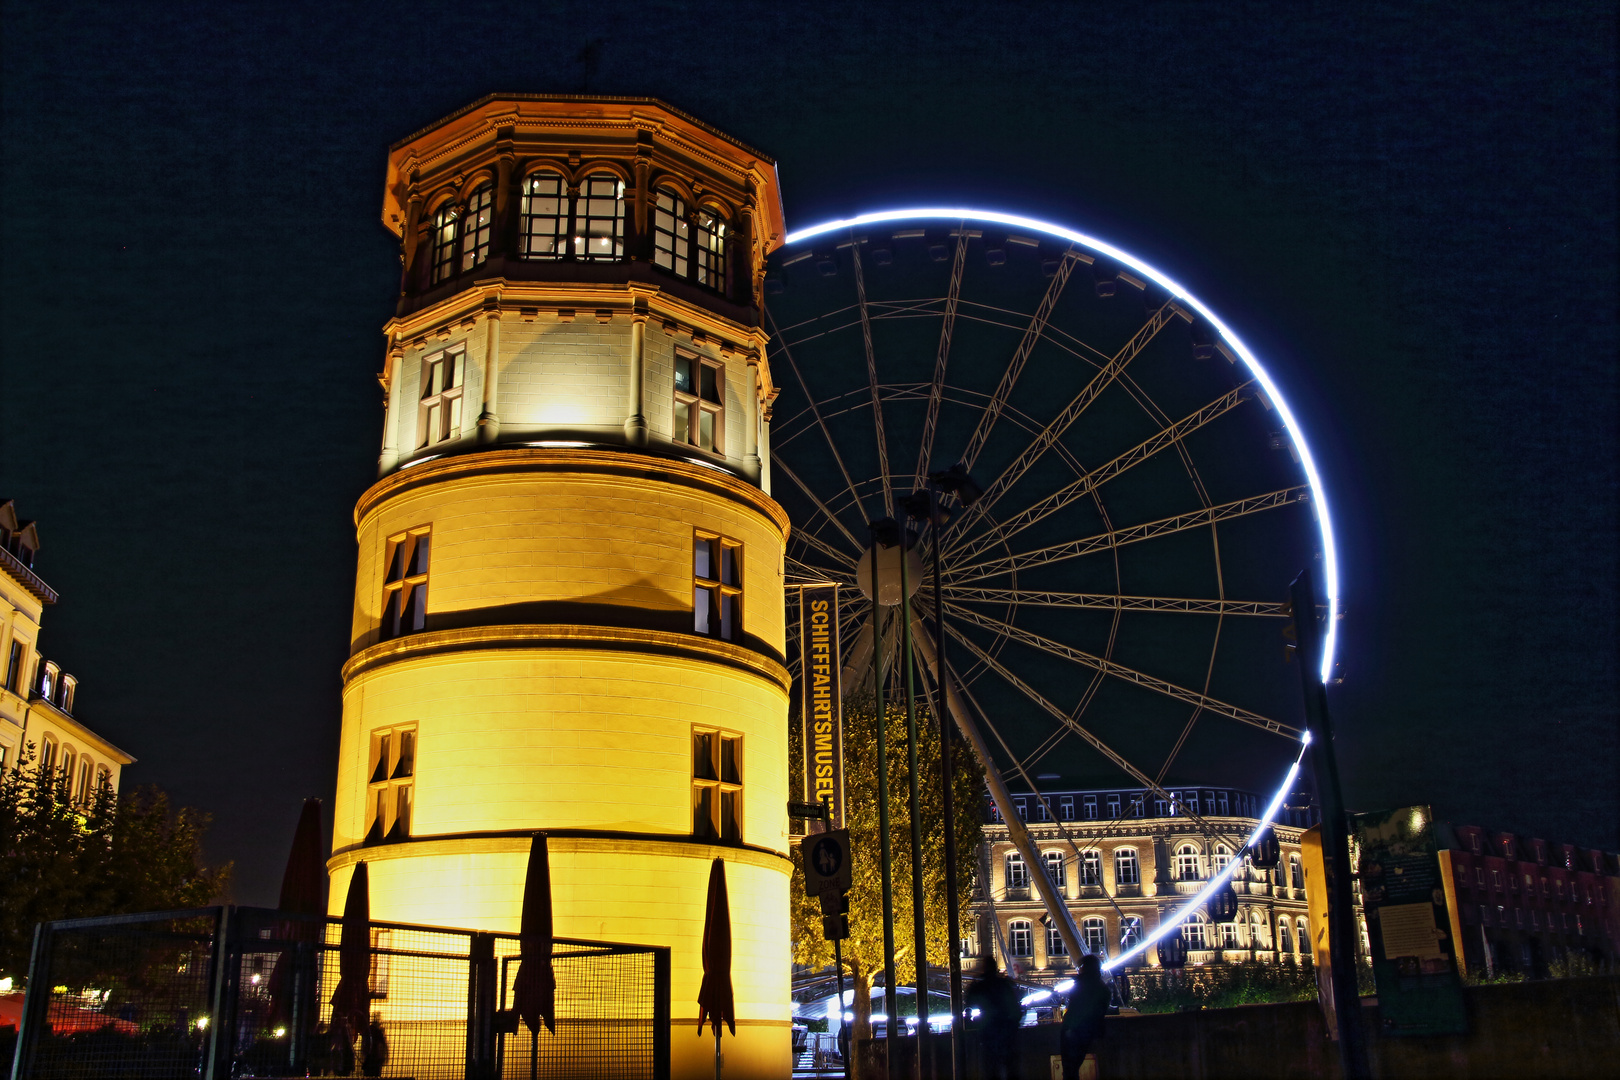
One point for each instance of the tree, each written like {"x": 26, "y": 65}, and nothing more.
{"x": 863, "y": 951}
{"x": 62, "y": 860}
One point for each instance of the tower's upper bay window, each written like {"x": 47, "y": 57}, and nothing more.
{"x": 475, "y": 226}
{"x": 599, "y": 219}
{"x": 711, "y": 250}
{"x": 689, "y": 243}
{"x": 672, "y": 234}
{"x": 446, "y": 230}
{"x": 545, "y": 216}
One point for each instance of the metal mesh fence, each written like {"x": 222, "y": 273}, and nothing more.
{"x": 126, "y": 998}
{"x": 243, "y": 992}
{"x": 606, "y": 1016}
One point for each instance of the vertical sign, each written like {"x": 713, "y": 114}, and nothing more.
{"x": 1408, "y": 924}
{"x": 823, "y": 707}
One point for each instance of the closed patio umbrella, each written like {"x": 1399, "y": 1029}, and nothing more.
{"x": 534, "y": 994}
{"x": 303, "y": 892}
{"x": 351, "y": 1000}
{"x": 714, "y": 996}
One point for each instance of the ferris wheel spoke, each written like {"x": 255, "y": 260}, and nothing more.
{"x": 831, "y": 444}
{"x": 1020, "y": 357}
{"x": 1071, "y": 412}
{"x": 805, "y": 533}
{"x": 800, "y": 572}
{"x": 1115, "y": 602}
{"x": 1170, "y": 435}
{"x": 872, "y": 379}
{"x": 952, "y": 295}
{"x": 1114, "y": 538}
{"x": 1075, "y": 726}
{"x": 1120, "y": 671}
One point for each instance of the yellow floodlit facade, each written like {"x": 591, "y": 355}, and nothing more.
{"x": 568, "y": 600}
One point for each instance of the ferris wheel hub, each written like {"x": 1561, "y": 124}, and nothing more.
{"x": 889, "y": 574}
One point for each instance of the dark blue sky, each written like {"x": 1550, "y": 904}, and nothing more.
{"x": 1409, "y": 211}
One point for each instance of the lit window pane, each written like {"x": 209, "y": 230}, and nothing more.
{"x": 728, "y": 607}
{"x": 419, "y": 561}
{"x": 730, "y": 819}
{"x": 703, "y": 755}
{"x": 703, "y": 558}
{"x": 703, "y": 812}
{"x": 700, "y": 610}
{"x": 455, "y": 415}
{"x": 728, "y": 565}
{"x": 419, "y": 607}
{"x": 683, "y": 374}
{"x": 682, "y": 427}
{"x": 706, "y": 429}
{"x": 728, "y": 761}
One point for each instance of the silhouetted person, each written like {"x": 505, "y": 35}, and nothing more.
{"x": 373, "y": 1048}
{"x": 1083, "y": 1015}
{"x": 1001, "y": 1010}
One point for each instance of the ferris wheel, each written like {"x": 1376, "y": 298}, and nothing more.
{"x": 1128, "y": 496}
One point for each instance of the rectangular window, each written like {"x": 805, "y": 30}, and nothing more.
{"x": 391, "y": 784}
{"x": 671, "y": 233}
{"x": 717, "y": 785}
{"x": 1017, "y": 872}
{"x": 14, "y": 666}
{"x": 699, "y": 418}
{"x": 1126, "y": 870}
{"x": 1229, "y": 935}
{"x": 1096, "y": 935}
{"x": 1054, "y": 943}
{"x": 716, "y": 586}
{"x": 1161, "y": 808}
{"x": 1022, "y": 807}
{"x": 446, "y": 230}
{"x": 476, "y": 226}
{"x": 1190, "y": 800}
{"x": 1091, "y": 868}
{"x": 599, "y": 219}
{"x": 1090, "y": 805}
{"x": 404, "y": 599}
{"x": 1136, "y": 805}
{"x": 1020, "y": 940}
{"x": 1223, "y": 804}
{"x": 711, "y": 250}
{"x": 439, "y": 411}
{"x": 1113, "y": 806}
{"x": 545, "y": 216}
{"x": 1066, "y": 807}
{"x": 1043, "y": 806}
{"x": 1054, "y": 869}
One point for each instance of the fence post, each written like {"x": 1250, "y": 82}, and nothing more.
{"x": 661, "y": 1032}
{"x": 481, "y": 1007}
{"x": 222, "y": 978}
{"x": 36, "y": 1004}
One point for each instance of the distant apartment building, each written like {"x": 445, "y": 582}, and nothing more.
{"x": 1518, "y": 904}
{"x": 37, "y": 698}
{"x": 1124, "y": 860}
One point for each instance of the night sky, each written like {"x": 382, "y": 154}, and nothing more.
{"x": 1407, "y": 210}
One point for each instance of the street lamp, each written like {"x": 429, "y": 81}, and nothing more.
{"x": 885, "y": 534}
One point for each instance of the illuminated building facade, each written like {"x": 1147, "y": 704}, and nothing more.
{"x": 568, "y": 603}
{"x": 1126, "y": 858}
{"x": 37, "y": 720}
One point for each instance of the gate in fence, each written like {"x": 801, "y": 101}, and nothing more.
{"x": 246, "y": 992}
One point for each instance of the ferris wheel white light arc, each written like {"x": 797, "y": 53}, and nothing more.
{"x": 1324, "y": 517}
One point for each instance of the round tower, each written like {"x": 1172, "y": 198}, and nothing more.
{"x": 568, "y": 606}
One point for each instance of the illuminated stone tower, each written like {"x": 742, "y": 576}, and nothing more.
{"x": 568, "y": 607}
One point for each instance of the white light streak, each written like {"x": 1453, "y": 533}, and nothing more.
{"x": 1330, "y": 553}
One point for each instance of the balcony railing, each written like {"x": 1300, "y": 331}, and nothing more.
{"x": 30, "y": 580}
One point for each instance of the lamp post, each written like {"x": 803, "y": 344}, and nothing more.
{"x": 919, "y": 930}
{"x": 885, "y": 534}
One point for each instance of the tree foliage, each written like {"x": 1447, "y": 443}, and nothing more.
{"x": 61, "y": 860}
{"x": 863, "y": 951}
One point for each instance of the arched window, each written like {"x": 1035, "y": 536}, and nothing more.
{"x": 1020, "y": 940}
{"x": 446, "y": 229}
{"x": 1095, "y": 932}
{"x": 1130, "y": 931}
{"x": 69, "y": 761}
{"x": 1193, "y": 930}
{"x": 545, "y": 216}
{"x": 1054, "y": 943}
{"x": 1054, "y": 868}
{"x": 711, "y": 250}
{"x": 475, "y": 227}
{"x": 1223, "y": 858}
{"x": 82, "y": 793}
{"x": 47, "y": 753}
{"x": 1257, "y": 931}
{"x": 1091, "y": 868}
{"x": 1296, "y": 873}
{"x": 1127, "y": 871}
{"x": 1229, "y": 935}
{"x": 1285, "y": 938}
{"x": 1017, "y": 872}
{"x": 103, "y": 777}
{"x": 1187, "y": 863}
{"x": 672, "y": 233}
{"x": 1303, "y": 930}
{"x": 599, "y": 219}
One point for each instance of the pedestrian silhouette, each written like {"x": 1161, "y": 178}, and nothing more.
{"x": 1000, "y": 1011}
{"x": 1083, "y": 1015}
